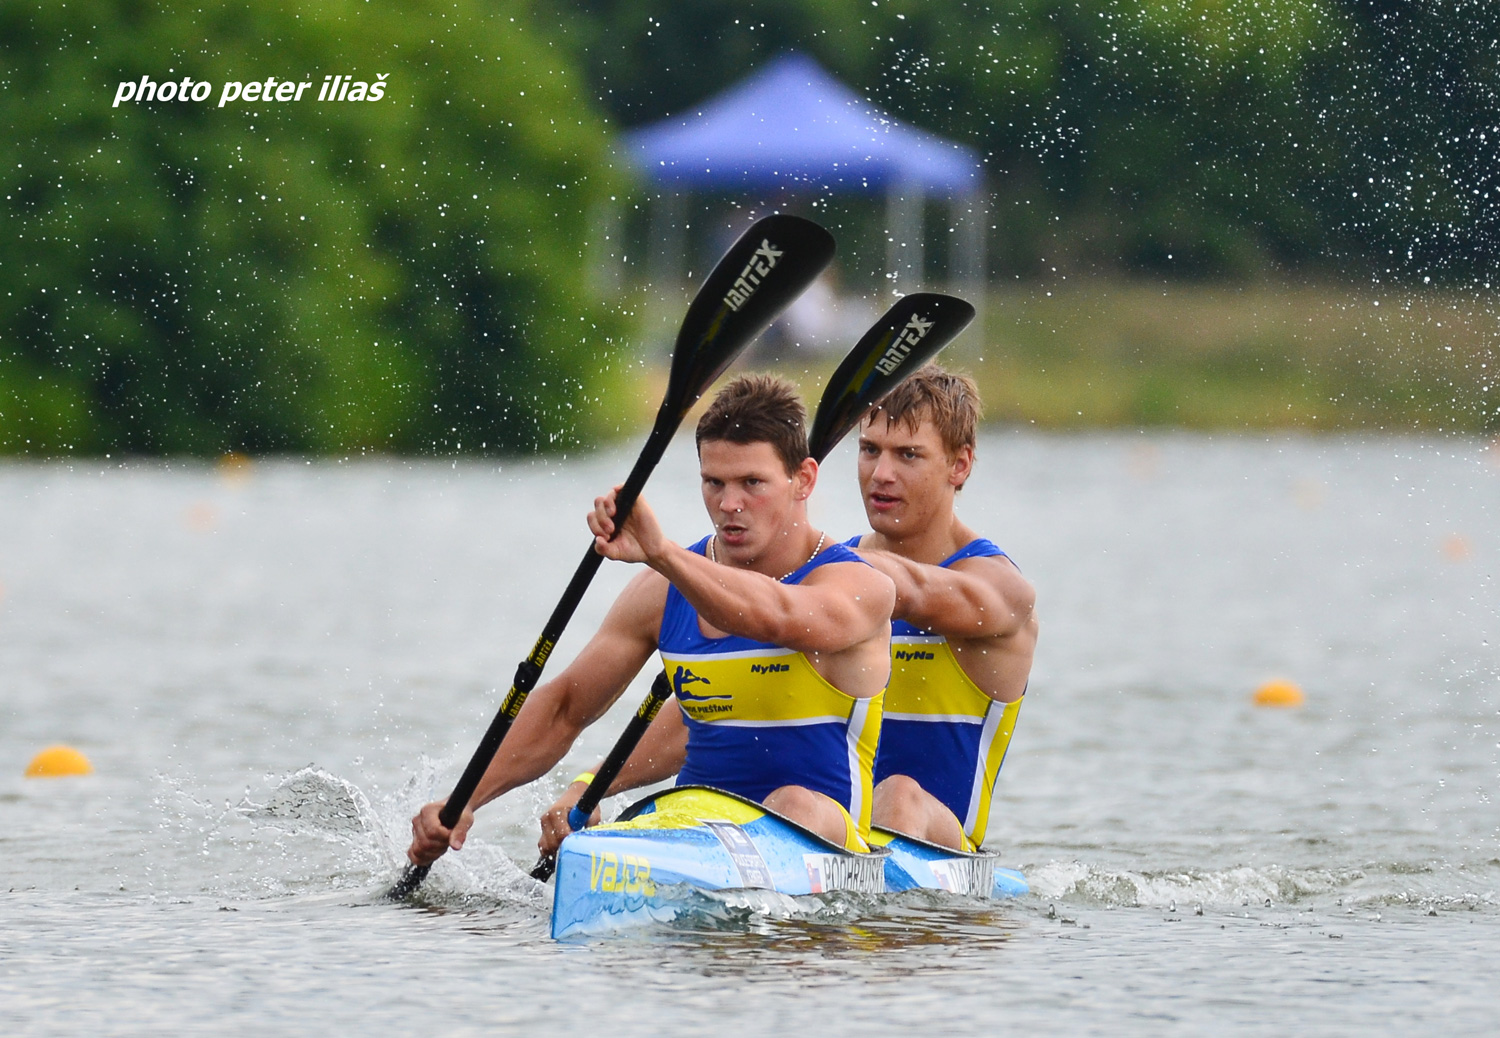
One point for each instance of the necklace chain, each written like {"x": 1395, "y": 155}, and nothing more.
{"x": 713, "y": 554}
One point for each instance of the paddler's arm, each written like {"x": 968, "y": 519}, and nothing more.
{"x": 558, "y": 710}
{"x": 838, "y": 606}
{"x": 656, "y": 758}
{"x": 984, "y": 597}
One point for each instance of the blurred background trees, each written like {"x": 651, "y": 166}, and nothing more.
{"x": 1228, "y": 135}
{"x": 413, "y": 275}
{"x": 400, "y": 275}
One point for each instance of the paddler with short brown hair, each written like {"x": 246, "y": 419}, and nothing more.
{"x": 777, "y": 638}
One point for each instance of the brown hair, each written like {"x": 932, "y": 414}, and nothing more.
{"x": 949, "y": 399}
{"x": 759, "y": 409}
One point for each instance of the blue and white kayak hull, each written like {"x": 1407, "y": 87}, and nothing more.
{"x": 915, "y": 864}
{"x": 636, "y": 868}
{"x": 653, "y": 862}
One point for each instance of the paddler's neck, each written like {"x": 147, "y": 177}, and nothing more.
{"x": 788, "y": 552}
{"x": 929, "y": 545}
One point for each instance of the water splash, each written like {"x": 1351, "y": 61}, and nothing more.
{"x": 314, "y": 833}
{"x": 1371, "y": 886}
{"x": 314, "y": 802}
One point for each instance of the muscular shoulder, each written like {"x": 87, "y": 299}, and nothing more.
{"x": 1001, "y": 578}
{"x": 640, "y": 606}
{"x": 859, "y": 579}
{"x": 1002, "y": 575}
{"x": 997, "y": 571}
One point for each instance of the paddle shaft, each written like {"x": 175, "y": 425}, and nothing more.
{"x": 770, "y": 265}
{"x": 529, "y": 672}
{"x": 598, "y": 788}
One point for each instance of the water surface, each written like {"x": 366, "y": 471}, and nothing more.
{"x": 270, "y": 669}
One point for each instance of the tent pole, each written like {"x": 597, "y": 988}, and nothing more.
{"x": 666, "y": 264}
{"x": 903, "y": 249}
{"x": 607, "y": 257}
{"x": 971, "y": 214}
{"x": 667, "y": 240}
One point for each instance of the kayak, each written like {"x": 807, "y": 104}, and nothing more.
{"x": 656, "y": 859}
{"x": 915, "y": 864}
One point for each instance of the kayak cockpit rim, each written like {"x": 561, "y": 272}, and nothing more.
{"x": 640, "y": 806}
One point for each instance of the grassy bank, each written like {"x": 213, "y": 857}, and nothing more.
{"x": 1268, "y": 356}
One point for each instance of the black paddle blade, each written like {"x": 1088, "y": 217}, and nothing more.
{"x": 907, "y": 336}
{"x": 771, "y": 265}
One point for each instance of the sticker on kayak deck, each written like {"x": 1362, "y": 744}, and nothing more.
{"x": 753, "y": 870}
{"x": 825, "y": 872}
{"x": 964, "y": 875}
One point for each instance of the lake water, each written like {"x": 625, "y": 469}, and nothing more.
{"x": 270, "y": 668}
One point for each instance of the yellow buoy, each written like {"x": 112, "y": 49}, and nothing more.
{"x": 1279, "y": 693}
{"x": 57, "y": 761}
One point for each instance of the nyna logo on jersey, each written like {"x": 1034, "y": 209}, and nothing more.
{"x": 750, "y": 278}
{"x": 687, "y": 677}
{"x": 769, "y": 668}
{"x": 914, "y": 654}
{"x": 915, "y": 331}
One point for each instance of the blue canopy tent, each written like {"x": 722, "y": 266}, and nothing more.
{"x": 792, "y": 127}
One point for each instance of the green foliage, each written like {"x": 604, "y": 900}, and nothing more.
{"x": 1194, "y": 138}
{"x": 1099, "y": 353}
{"x": 406, "y": 274}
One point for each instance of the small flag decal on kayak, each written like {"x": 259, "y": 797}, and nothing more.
{"x": 753, "y": 870}
{"x": 862, "y": 873}
{"x": 964, "y": 875}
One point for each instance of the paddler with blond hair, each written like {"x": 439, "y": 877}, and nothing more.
{"x": 964, "y": 628}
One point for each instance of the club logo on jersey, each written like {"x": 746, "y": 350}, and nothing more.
{"x": 750, "y": 278}
{"x": 687, "y": 677}
{"x": 769, "y": 668}
{"x": 895, "y": 355}
{"x": 698, "y": 707}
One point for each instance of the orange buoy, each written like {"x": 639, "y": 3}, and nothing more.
{"x": 57, "y": 761}
{"x": 233, "y": 467}
{"x": 1279, "y": 693}
{"x": 1456, "y": 547}
{"x": 201, "y": 516}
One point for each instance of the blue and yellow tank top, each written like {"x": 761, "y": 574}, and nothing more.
{"x": 759, "y": 716}
{"x": 940, "y": 728}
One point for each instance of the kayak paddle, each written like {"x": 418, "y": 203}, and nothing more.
{"x": 769, "y": 266}
{"x": 905, "y": 337}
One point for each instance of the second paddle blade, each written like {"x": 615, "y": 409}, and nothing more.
{"x": 907, "y": 336}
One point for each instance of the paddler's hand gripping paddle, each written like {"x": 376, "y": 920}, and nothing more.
{"x": 771, "y": 265}
{"x": 907, "y": 336}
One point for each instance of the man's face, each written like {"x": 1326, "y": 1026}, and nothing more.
{"x": 749, "y": 496}
{"x": 905, "y": 475}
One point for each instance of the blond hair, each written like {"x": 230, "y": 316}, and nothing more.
{"x": 950, "y": 400}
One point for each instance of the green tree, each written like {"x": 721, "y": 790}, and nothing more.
{"x": 1190, "y": 137}
{"x": 404, "y": 274}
